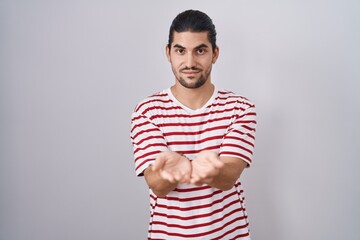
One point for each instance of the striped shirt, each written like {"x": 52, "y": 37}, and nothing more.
{"x": 226, "y": 124}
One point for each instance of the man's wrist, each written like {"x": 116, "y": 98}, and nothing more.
{"x": 183, "y": 155}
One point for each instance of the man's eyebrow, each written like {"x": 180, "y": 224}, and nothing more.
{"x": 178, "y": 46}
{"x": 202, "y": 46}
{"x": 197, "y": 47}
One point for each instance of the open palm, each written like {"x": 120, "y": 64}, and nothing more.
{"x": 205, "y": 167}
{"x": 173, "y": 167}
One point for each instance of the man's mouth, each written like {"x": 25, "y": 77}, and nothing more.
{"x": 190, "y": 71}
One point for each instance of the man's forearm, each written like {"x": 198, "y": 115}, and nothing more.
{"x": 160, "y": 186}
{"x": 228, "y": 174}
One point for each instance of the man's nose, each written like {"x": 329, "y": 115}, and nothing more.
{"x": 190, "y": 60}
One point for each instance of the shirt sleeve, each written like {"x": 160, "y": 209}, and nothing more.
{"x": 147, "y": 140}
{"x": 239, "y": 139}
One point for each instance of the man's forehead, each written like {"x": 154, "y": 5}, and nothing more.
{"x": 191, "y": 39}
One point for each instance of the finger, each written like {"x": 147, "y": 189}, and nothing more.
{"x": 185, "y": 178}
{"x": 196, "y": 181}
{"x": 159, "y": 162}
{"x": 178, "y": 176}
{"x": 195, "y": 178}
{"x": 167, "y": 176}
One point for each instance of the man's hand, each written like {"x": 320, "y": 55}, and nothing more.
{"x": 173, "y": 167}
{"x": 205, "y": 167}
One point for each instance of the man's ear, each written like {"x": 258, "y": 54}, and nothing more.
{"x": 215, "y": 54}
{"x": 167, "y": 51}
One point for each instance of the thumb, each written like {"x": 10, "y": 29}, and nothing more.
{"x": 216, "y": 161}
{"x": 159, "y": 162}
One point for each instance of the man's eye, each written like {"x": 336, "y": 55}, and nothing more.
{"x": 180, "y": 51}
{"x": 200, "y": 51}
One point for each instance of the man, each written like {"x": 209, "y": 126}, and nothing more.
{"x": 191, "y": 142}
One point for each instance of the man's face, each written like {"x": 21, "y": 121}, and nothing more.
{"x": 191, "y": 57}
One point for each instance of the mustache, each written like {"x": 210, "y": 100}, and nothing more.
{"x": 192, "y": 68}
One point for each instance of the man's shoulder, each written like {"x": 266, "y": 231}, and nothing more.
{"x": 153, "y": 100}
{"x": 230, "y": 96}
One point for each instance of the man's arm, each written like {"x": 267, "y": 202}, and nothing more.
{"x": 160, "y": 186}
{"x": 168, "y": 169}
{"x": 229, "y": 173}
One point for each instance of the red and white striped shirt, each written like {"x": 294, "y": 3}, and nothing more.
{"x": 226, "y": 124}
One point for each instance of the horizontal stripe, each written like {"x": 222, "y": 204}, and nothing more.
{"x": 196, "y": 132}
{"x": 194, "y": 123}
{"x": 153, "y": 101}
{"x": 192, "y": 189}
{"x": 226, "y": 103}
{"x": 178, "y": 199}
{"x": 134, "y": 119}
{"x": 235, "y": 154}
{"x": 215, "y": 147}
{"x": 147, "y": 154}
{"x": 248, "y": 128}
{"x": 145, "y": 131}
{"x": 233, "y": 230}
{"x": 199, "y": 234}
{"x": 142, "y": 124}
{"x": 236, "y": 185}
{"x": 144, "y": 162}
{"x": 236, "y": 146}
{"x": 197, "y": 207}
{"x": 153, "y": 138}
{"x": 200, "y": 224}
{"x": 160, "y": 108}
{"x": 149, "y": 146}
{"x": 190, "y": 116}
{"x": 242, "y": 140}
{"x": 195, "y": 142}
{"x": 184, "y": 209}
{"x": 192, "y": 217}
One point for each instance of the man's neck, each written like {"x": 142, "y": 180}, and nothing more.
{"x": 193, "y": 98}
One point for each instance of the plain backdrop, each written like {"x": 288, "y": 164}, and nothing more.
{"x": 72, "y": 71}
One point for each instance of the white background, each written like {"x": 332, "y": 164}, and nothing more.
{"x": 72, "y": 71}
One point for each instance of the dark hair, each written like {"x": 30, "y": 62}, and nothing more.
{"x": 193, "y": 21}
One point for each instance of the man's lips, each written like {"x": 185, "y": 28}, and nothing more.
{"x": 190, "y": 71}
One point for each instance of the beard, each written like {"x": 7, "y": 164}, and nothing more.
{"x": 195, "y": 83}
{"x": 198, "y": 83}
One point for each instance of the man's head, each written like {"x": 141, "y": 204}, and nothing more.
{"x": 192, "y": 49}
{"x": 193, "y": 21}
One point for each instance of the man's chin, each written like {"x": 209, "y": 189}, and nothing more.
{"x": 192, "y": 83}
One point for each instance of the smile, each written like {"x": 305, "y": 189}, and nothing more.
{"x": 190, "y": 71}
